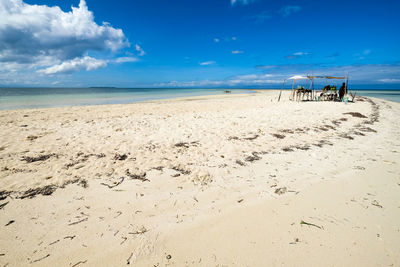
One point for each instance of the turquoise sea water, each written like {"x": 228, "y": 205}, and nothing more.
{"x": 392, "y": 95}
{"x": 21, "y": 98}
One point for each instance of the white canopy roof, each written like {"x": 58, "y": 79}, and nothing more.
{"x": 302, "y": 77}
{"x": 298, "y": 77}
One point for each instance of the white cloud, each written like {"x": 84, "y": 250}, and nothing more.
{"x": 126, "y": 59}
{"x": 266, "y": 67}
{"x": 140, "y": 50}
{"x": 363, "y": 54}
{"x": 240, "y": 80}
{"x": 47, "y": 38}
{"x": 206, "y": 63}
{"x": 289, "y": 10}
{"x": 237, "y": 52}
{"x": 260, "y": 17}
{"x": 358, "y": 74}
{"x": 242, "y": 2}
{"x": 297, "y": 55}
{"x": 225, "y": 39}
{"x": 300, "y": 54}
{"x": 389, "y": 80}
{"x": 76, "y": 64}
{"x": 367, "y": 51}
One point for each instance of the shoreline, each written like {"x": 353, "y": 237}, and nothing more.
{"x": 191, "y": 98}
{"x": 136, "y": 183}
{"x": 163, "y": 98}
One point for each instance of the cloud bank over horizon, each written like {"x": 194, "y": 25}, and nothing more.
{"x": 50, "y": 41}
{"x": 275, "y": 75}
{"x": 243, "y": 2}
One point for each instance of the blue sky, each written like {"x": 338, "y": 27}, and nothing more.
{"x": 196, "y": 43}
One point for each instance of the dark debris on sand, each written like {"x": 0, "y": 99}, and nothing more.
{"x": 279, "y": 136}
{"x": 186, "y": 144}
{"x": 346, "y": 136}
{"x": 287, "y": 149}
{"x": 45, "y": 191}
{"x": 241, "y": 163}
{"x": 281, "y": 191}
{"x": 141, "y": 176}
{"x": 3, "y": 205}
{"x": 181, "y": 170}
{"x": 83, "y": 158}
{"x": 4, "y": 194}
{"x": 37, "y": 158}
{"x": 120, "y": 156}
{"x": 250, "y": 138}
{"x": 356, "y": 115}
{"x": 252, "y": 158}
{"x": 115, "y": 184}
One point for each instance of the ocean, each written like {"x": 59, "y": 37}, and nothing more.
{"x": 392, "y": 95}
{"x": 25, "y": 98}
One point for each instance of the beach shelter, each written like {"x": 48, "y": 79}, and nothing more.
{"x": 311, "y": 79}
{"x": 294, "y": 79}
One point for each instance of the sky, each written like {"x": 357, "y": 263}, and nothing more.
{"x": 197, "y": 43}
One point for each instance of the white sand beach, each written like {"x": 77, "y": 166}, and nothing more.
{"x": 231, "y": 180}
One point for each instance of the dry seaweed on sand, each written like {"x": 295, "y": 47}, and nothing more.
{"x": 10, "y": 222}
{"x": 241, "y": 163}
{"x": 279, "y": 136}
{"x": 182, "y": 171}
{"x": 186, "y": 144}
{"x": 141, "y": 231}
{"x": 251, "y": 137}
{"x": 346, "y": 136}
{"x": 159, "y": 168}
{"x": 281, "y": 191}
{"x": 329, "y": 127}
{"x": 305, "y": 147}
{"x": 356, "y": 115}
{"x": 252, "y": 158}
{"x": 37, "y": 158}
{"x": 367, "y": 129}
{"x": 79, "y": 262}
{"x": 120, "y": 156}
{"x": 358, "y": 133}
{"x": 45, "y": 191}
{"x": 128, "y": 261}
{"x": 115, "y": 184}
{"x": 84, "y": 183}
{"x": 311, "y": 224}
{"x": 4, "y": 194}
{"x": 376, "y": 203}
{"x": 322, "y": 128}
{"x": 80, "y": 181}
{"x": 287, "y": 131}
{"x": 48, "y": 255}
{"x": 3, "y": 205}
{"x": 32, "y": 137}
{"x": 80, "y": 221}
{"x": 141, "y": 176}
{"x": 287, "y": 149}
